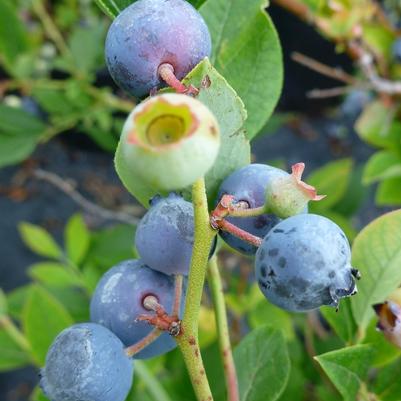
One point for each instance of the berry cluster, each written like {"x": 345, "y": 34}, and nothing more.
{"x": 169, "y": 141}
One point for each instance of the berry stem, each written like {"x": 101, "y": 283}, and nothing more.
{"x": 216, "y": 287}
{"x": 188, "y": 338}
{"x": 166, "y": 73}
{"x": 250, "y": 212}
{"x": 140, "y": 345}
{"x": 228, "y": 206}
{"x": 238, "y": 232}
{"x": 178, "y": 280}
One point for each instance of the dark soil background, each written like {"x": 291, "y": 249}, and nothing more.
{"x": 315, "y": 140}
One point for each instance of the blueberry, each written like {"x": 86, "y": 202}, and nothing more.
{"x": 248, "y": 184}
{"x": 87, "y": 362}
{"x": 396, "y": 50}
{"x": 118, "y": 301}
{"x": 165, "y": 236}
{"x": 149, "y": 33}
{"x": 304, "y": 263}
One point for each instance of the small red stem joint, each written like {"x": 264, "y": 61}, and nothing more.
{"x": 225, "y": 207}
{"x": 167, "y": 74}
{"x": 161, "y": 320}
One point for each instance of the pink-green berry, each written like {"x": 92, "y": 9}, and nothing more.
{"x": 287, "y": 195}
{"x": 168, "y": 142}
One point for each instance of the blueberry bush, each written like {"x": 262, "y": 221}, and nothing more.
{"x": 309, "y": 310}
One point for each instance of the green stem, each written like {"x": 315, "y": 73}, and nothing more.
{"x": 188, "y": 340}
{"x": 216, "y": 287}
{"x": 256, "y": 211}
{"x": 155, "y": 389}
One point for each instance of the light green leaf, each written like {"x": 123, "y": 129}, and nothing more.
{"x": 382, "y": 165}
{"x": 39, "y": 241}
{"x": 43, "y": 318}
{"x": 247, "y": 52}
{"x": 16, "y": 300}
{"x": 341, "y": 321}
{"x": 229, "y": 110}
{"x": 3, "y": 303}
{"x": 330, "y": 180}
{"x": 263, "y": 365}
{"x": 13, "y": 36}
{"x": 389, "y": 192}
{"x": 11, "y": 355}
{"x": 377, "y": 254}
{"x": 19, "y": 134}
{"x": 76, "y": 238}
{"x": 376, "y": 126}
{"x": 267, "y": 314}
{"x": 54, "y": 275}
{"x": 347, "y": 368}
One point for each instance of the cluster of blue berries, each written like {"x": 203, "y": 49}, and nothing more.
{"x": 150, "y": 44}
{"x": 303, "y": 261}
{"x": 92, "y": 361}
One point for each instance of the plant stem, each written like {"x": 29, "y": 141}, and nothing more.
{"x": 238, "y": 232}
{"x": 216, "y": 287}
{"x": 178, "y": 282}
{"x": 251, "y": 212}
{"x": 155, "y": 389}
{"x": 188, "y": 339}
{"x": 140, "y": 345}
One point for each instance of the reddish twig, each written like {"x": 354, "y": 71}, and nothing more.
{"x": 178, "y": 281}
{"x": 166, "y": 73}
{"x": 140, "y": 345}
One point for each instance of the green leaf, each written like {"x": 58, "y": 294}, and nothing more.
{"x": 330, "y": 180}
{"x": 112, "y": 245}
{"x": 54, "y": 275}
{"x": 11, "y": 355}
{"x": 376, "y": 126}
{"x": 342, "y": 321}
{"x": 377, "y": 254}
{"x": 19, "y": 134}
{"x": 3, "y": 303}
{"x": 229, "y": 110}
{"x": 267, "y": 314}
{"x": 37, "y": 395}
{"x": 13, "y": 36}
{"x": 113, "y": 7}
{"x": 380, "y": 166}
{"x": 247, "y": 52}
{"x": 263, "y": 365}
{"x": 389, "y": 192}
{"x": 43, "y": 318}
{"x": 39, "y": 241}
{"x": 16, "y": 300}
{"x": 387, "y": 383}
{"x": 347, "y": 368}
{"x": 77, "y": 239}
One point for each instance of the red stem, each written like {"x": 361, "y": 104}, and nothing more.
{"x": 238, "y": 232}
{"x": 140, "y": 345}
{"x": 177, "y": 294}
{"x": 166, "y": 73}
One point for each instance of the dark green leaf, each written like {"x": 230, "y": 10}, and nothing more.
{"x": 247, "y": 52}
{"x": 39, "y": 241}
{"x": 113, "y": 7}
{"x": 3, "y": 303}
{"x": 43, "y": 318}
{"x": 388, "y": 384}
{"x": 263, "y": 365}
{"x": 13, "y": 36}
{"x": 347, "y": 368}
{"x": 377, "y": 254}
{"x": 16, "y": 300}
{"x": 76, "y": 238}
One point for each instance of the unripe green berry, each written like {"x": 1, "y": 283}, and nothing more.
{"x": 168, "y": 141}
{"x": 287, "y": 195}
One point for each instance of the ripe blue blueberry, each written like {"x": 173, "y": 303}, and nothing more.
{"x": 248, "y": 185}
{"x": 118, "y": 301}
{"x": 87, "y": 362}
{"x": 149, "y": 33}
{"x": 304, "y": 262}
{"x": 165, "y": 235}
